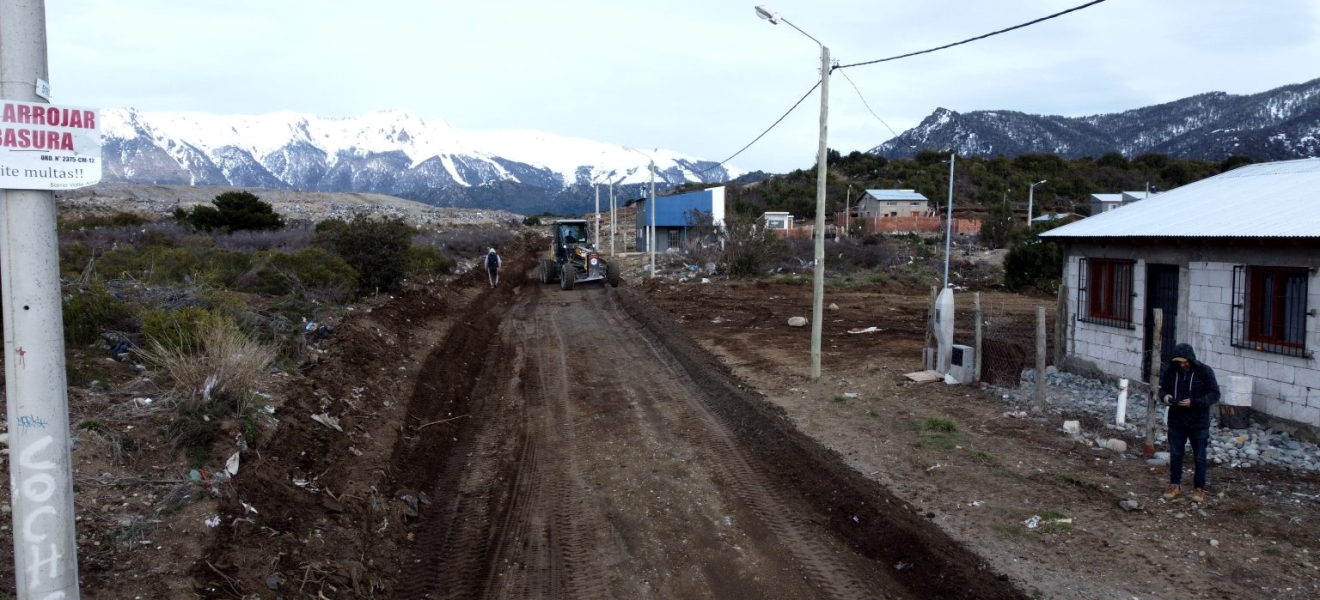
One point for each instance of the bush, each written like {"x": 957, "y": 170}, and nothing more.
{"x": 218, "y": 373}
{"x": 376, "y": 248}
{"x": 87, "y": 312}
{"x": 750, "y": 250}
{"x": 428, "y": 260}
{"x": 532, "y": 221}
{"x": 178, "y": 332}
{"x": 1035, "y": 263}
{"x": 235, "y": 211}
{"x": 118, "y": 219}
{"x": 313, "y": 271}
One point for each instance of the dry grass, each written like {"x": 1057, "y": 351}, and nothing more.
{"x": 225, "y": 366}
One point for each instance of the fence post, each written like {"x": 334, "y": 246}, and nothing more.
{"x": 1061, "y": 327}
{"x": 976, "y": 314}
{"x": 1156, "y": 348}
{"x": 928, "y": 357}
{"x": 1040, "y": 360}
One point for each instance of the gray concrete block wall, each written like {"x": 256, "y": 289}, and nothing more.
{"x": 1287, "y": 387}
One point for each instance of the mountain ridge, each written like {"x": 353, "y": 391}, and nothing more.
{"x": 388, "y": 152}
{"x": 1278, "y": 124}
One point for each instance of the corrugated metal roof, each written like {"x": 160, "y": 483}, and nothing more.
{"x": 1107, "y": 197}
{"x": 1277, "y": 199}
{"x": 896, "y": 195}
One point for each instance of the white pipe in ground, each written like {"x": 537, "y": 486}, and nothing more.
{"x": 1121, "y": 417}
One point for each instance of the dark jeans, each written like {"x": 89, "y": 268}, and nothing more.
{"x": 1178, "y": 438}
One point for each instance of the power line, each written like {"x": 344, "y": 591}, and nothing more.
{"x": 979, "y": 37}
{"x": 868, "y": 105}
{"x": 767, "y": 130}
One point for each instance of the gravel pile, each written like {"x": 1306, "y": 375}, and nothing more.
{"x": 1068, "y": 394}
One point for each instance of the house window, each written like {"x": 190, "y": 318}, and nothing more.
{"x": 1104, "y": 291}
{"x": 1269, "y": 309}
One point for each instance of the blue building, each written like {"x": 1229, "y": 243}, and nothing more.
{"x": 674, "y": 217}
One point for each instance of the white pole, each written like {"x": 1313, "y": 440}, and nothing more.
{"x": 40, "y": 473}
{"x": 614, "y": 222}
{"x": 1121, "y": 417}
{"x": 1031, "y": 199}
{"x": 651, "y": 243}
{"x": 948, "y": 226}
{"x": 597, "y": 243}
{"x": 822, "y": 170}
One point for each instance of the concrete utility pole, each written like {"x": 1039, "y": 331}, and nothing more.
{"x": 822, "y": 171}
{"x": 596, "y": 243}
{"x": 948, "y": 226}
{"x": 614, "y": 221}
{"x": 40, "y": 474}
{"x": 1031, "y": 199}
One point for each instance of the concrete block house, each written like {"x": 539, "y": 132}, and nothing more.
{"x": 892, "y": 203}
{"x": 1231, "y": 260}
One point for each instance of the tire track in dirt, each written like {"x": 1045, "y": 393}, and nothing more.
{"x": 829, "y": 567}
{"x": 877, "y": 524}
{"x": 459, "y": 451}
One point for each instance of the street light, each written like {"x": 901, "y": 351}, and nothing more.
{"x": 818, "y": 280}
{"x": 1031, "y": 199}
{"x": 948, "y": 225}
{"x": 650, "y": 241}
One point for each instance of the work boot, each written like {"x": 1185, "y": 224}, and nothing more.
{"x": 1173, "y": 492}
{"x": 1198, "y": 495}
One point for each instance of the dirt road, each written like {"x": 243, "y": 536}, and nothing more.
{"x": 594, "y": 457}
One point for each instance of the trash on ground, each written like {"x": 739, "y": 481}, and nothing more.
{"x": 1072, "y": 427}
{"x": 328, "y": 421}
{"x": 925, "y": 376}
{"x": 1033, "y": 522}
{"x": 865, "y": 330}
{"x": 213, "y": 521}
{"x": 231, "y": 465}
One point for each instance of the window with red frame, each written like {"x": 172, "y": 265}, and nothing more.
{"x": 1105, "y": 291}
{"x": 1276, "y": 305}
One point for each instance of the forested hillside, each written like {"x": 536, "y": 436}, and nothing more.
{"x": 979, "y": 183}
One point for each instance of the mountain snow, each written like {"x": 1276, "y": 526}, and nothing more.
{"x": 266, "y": 139}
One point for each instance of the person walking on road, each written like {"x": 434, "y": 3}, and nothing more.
{"x": 1189, "y": 389}
{"x": 493, "y": 264}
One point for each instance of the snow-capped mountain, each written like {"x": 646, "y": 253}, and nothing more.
{"x": 1282, "y": 123}
{"x": 390, "y": 152}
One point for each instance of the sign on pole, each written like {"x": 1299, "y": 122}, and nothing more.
{"x": 48, "y": 147}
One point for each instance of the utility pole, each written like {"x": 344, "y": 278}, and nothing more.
{"x": 40, "y": 467}
{"x": 614, "y": 222}
{"x": 948, "y": 226}
{"x": 596, "y": 243}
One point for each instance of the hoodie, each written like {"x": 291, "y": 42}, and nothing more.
{"x": 1197, "y": 383}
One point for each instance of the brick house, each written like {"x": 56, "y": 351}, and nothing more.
{"x": 1231, "y": 260}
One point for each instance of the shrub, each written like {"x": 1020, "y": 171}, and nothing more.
{"x": 118, "y": 219}
{"x": 428, "y": 260}
{"x": 89, "y": 311}
{"x": 532, "y": 221}
{"x": 235, "y": 211}
{"x": 750, "y": 250}
{"x": 308, "y": 270}
{"x": 376, "y": 248}
{"x": 177, "y": 331}
{"x": 218, "y": 373}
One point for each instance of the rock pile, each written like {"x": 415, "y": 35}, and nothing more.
{"x": 1068, "y": 394}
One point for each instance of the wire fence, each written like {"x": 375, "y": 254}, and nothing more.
{"x": 1008, "y": 335}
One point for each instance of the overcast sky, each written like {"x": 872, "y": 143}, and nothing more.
{"x": 700, "y": 77}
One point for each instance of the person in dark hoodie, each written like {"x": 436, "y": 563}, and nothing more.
{"x": 1188, "y": 388}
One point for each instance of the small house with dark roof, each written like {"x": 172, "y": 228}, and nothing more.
{"x": 1231, "y": 260}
